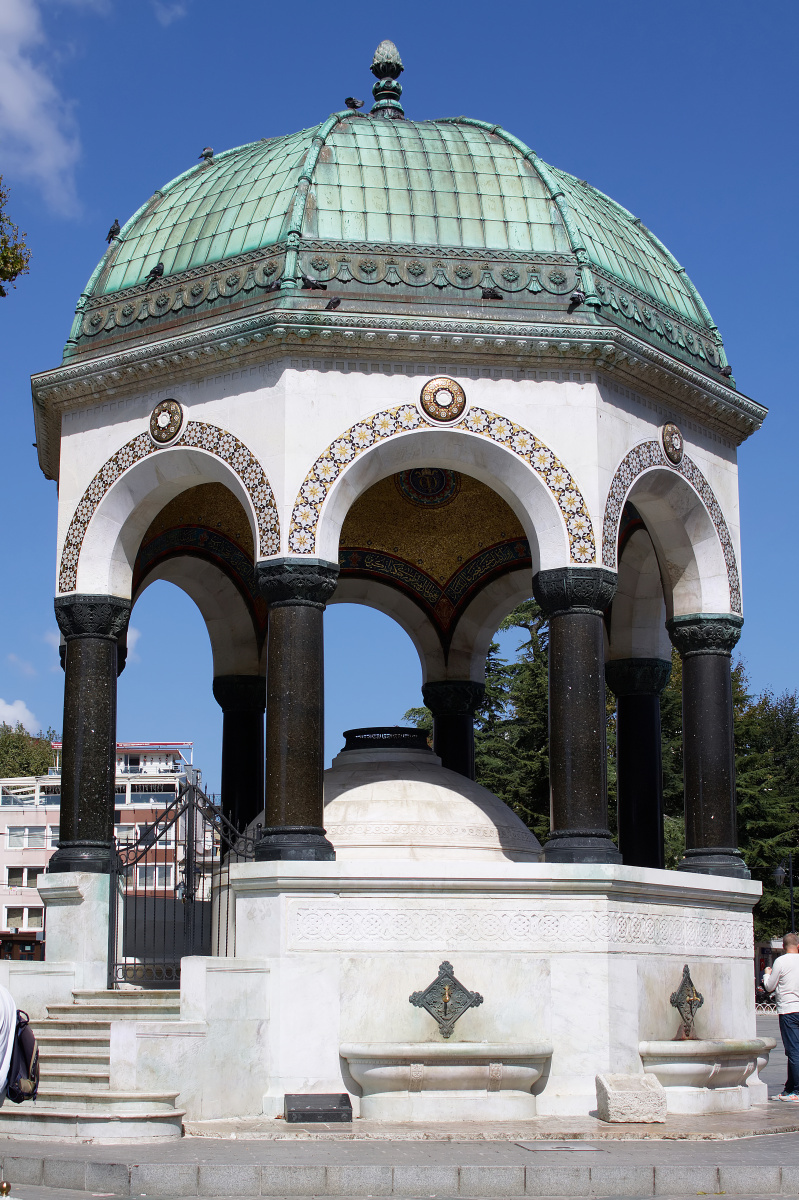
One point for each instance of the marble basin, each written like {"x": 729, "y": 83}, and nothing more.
{"x": 446, "y": 1081}
{"x": 706, "y": 1075}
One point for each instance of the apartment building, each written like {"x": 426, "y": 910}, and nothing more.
{"x": 147, "y": 777}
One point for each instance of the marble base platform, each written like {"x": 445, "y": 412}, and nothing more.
{"x": 582, "y": 958}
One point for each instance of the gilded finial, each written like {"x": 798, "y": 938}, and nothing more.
{"x": 387, "y": 68}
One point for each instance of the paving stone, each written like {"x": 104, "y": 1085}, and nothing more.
{"x": 628, "y": 1180}
{"x": 557, "y": 1180}
{"x": 425, "y": 1179}
{"x": 492, "y": 1181}
{"x": 359, "y": 1180}
{"x": 229, "y": 1179}
{"x": 671, "y": 1179}
{"x": 64, "y": 1173}
{"x": 22, "y": 1170}
{"x": 789, "y": 1180}
{"x": 163, "y": 1179}
{"x": 292, "y": 1181}
{"x": 743, "y": 1177}
{"x": 108, "y": 1177}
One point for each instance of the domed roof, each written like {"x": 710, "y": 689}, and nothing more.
{"x": 402, "y": 804}
{"x": 358, "y": 182}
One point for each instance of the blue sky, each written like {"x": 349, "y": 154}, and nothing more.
{"x": 686, "y": 113}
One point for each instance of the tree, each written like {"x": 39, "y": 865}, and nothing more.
{"x": 14, "y": 254}
{"x": 23, "y": 754}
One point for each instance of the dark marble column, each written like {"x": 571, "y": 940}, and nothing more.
{"x": 705, "y": 642}
{"x": 637, "y": 684}
{"x": 574, "y": 599}
{"x": 91, "y": 626}
{"x": 242, "y": 699}
{"x": 296, "y": 591}
{"x": 453, "y": 703}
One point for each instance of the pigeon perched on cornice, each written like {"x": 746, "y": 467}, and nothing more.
{"x": 113, "y": 231}
{"x": 207, "y": 153}
{"x": 155, "y": 274}
{"x": 334, "y": 303}
{"x": 352, "y": 103}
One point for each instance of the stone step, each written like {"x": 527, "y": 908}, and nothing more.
{"x": 78, "y": 1124}
{"x": 158, "y": 1010}
{"x": 68, "y": 1077}
{"x": 67, "y": 1042}
{"x": 120, "y": 997}
{"x": 74, "y": 1024}
{"x": 91, "y": 1059}
{"x": 86, "y": 1099}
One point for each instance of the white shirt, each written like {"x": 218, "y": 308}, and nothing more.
{"x": 8, "y": 1027}
{"x": 784, "y": 979}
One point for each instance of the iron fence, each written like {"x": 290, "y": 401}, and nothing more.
{"x": 170, "y": 894}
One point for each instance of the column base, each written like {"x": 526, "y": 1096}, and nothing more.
{"x": 81, "y": 856}
{"x": 715, "y": 860}
{"x": 298, "y": 843}
{"x": 581, "y": 846}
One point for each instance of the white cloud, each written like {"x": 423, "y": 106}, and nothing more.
{"x": 22, "y": 665}
{"x": 18, "y": 710}
{"x": 133, "y": 637}
{"x": 52, "y": 638}
{"x": 166, "y": 13}
{"x": 38, "y": 135}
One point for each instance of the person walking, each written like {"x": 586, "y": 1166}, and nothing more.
{"x": 8, "y": 1027}
{"x": 783, "y": 978}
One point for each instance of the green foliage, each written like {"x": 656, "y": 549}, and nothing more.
{"x": 23, "y": 754}
{"x": 14, "y": 254}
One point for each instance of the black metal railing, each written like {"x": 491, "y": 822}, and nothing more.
{"x": 170, "y": 894}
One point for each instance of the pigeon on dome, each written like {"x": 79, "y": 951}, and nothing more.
{"x": 113, "y": 231}
{"x": 352, "y": 103}
{"x": 207, "y": 153}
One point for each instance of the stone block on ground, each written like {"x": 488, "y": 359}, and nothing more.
{"x": 630, "y": 1099}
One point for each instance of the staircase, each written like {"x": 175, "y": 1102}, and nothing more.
{"x": 75, "y": 1098}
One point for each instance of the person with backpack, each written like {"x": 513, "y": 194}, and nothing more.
{"x": 8, "y": 1029}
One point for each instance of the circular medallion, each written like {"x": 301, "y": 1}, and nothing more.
{"x": 428, "y": 487}
{"x": 443, "y": 399}
{"x": 165, "y": 421}
{"x": 673, "y": 444}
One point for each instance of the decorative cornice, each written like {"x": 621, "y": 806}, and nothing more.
{"x": 637, "y": 676}
{"x": 274, "y": 334}
{"x": 705, "y": 633}
{"x": 574, "y": 589}
{"x": 289, "y": 581}
{"x": 92, "y": 616}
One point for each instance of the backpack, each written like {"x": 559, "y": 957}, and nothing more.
{"x": 23, "y": 1074}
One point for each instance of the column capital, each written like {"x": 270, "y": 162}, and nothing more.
{"x": 705, "y": 633}
{"x": 574, "y": 589}
{"x": 240, "y": 693}
{"x": 453, "y": 697}
{"x": 309, "y": 582}
{"x": 637, "y": 676}
{"x": 80, "y": 616}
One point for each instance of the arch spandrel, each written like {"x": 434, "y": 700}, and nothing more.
{"x": 686, "y": 524}
{"x": 495, "y": 450}
{"x": 128, "y": 491}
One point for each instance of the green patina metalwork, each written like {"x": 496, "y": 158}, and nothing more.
{"x": 456, "y": 184}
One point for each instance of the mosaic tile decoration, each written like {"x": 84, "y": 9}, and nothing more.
{"x": 195, "y": 434}
{"x": 641, "y": 458}
{"x": 406, "y": 417}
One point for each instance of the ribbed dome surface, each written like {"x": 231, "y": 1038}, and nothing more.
{"x": 448, "y": 184}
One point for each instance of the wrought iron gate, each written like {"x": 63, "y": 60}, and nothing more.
{"x": 169, "y": 890}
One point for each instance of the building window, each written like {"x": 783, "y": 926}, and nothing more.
{"x": 34, "y": 918}
{"x": 16, "y": 876}
{"x": 31, "y": 837}
{"x": 54, "y": 834}
{"x": 16, "y": 837}
{"x": 125, "y": 833}
{"x": 15, "y": 918}
{"x": 37, "y": 837}
{"x": 33, "y": 876}
{"x": 152, "y": 875}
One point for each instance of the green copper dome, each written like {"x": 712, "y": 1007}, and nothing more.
{"x": 460, "y": 191}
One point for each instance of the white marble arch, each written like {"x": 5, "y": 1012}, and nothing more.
{"x": 473, "y": 633}
{"x": 689, "y": 553}
{"x": 638, "y": 614}
{"x": 124, "y": 513}
{"x": 457, "y": 450}
{"x": 234, "y": 642}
